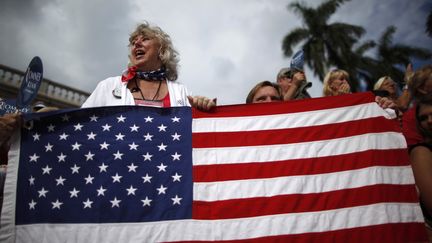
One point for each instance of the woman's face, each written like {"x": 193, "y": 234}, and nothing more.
{"x": 144, "y": 53}
{"x": 425, "y": 117}
{"x": 266, "y": 94}
{"x": 426, "y": 88}
{"x": 389, "y": 85}
{"x": 338, "y": 82}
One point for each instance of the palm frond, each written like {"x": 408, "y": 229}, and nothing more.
{"x": 366, "y": 46}
{"x": 315, "y": 57}
{"x": 300, "y": 9}
{"x": 326, "y": 9}
{"x": 417, "y": 52}
{"x": 387, "y": 37}
{"x": 347, "y": 29}
{"x": 293, "y": 38}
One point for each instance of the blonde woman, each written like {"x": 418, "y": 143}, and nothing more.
{"x": 387, "y": 84}
{"x": 336, "y": 83}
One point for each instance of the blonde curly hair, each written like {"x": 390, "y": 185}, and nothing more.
{"x": 167, "y": 54}
{"x": 332, "y": 75}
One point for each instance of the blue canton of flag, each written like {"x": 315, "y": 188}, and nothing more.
{"x": 131, "y": 164}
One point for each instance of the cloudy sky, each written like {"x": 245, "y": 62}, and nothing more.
{"x": 225, "y": 46}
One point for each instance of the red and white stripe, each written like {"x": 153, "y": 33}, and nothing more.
{"x": 328, "y": 167}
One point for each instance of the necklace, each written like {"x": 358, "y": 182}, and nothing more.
{"x": 136, "y": 88}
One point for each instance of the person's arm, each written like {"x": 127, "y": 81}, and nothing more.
{"x": 292, "y": 90}
{"x": 202, "y": 103}
{"x": 404, "y": 100}
{"x": 385, "y": 102}
{"x": 297, "y": 80}
{"x": 421, "y": 163}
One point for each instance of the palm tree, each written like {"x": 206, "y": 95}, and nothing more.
{"x": 361, "y": 66}
{"x": 390, "y": 56}
{"x": 325, "y": 44}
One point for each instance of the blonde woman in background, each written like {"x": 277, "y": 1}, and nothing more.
{"x": 336, "y": 82}
{"x": 387, "y": 84}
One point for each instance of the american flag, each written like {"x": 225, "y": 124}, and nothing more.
{"x": 325, "y": 169}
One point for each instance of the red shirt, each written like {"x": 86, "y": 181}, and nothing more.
{"x": 409, "y": 128}
{"x": 165, "y": 102}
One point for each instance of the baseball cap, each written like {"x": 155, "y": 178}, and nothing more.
{"x": 284, "y": 72}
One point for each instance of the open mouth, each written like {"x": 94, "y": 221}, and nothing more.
{"x": 139, "y": 54}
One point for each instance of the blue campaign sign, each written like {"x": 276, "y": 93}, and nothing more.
{"x": 297, "y": 60}
{"x": 31, "y": 83}
{"x": 9, "y": 106}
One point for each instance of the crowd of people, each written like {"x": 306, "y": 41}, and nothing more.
{"x": 150, "y": 80}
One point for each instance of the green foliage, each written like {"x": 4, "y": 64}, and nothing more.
{"x": 336, "y": 44}
{"x": 390, "y": 56}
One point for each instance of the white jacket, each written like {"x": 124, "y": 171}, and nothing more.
{"x": 112, "y": 91}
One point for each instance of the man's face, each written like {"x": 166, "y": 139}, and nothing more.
{"x": 285, "y": 83}
{"x": 266, "y": 94}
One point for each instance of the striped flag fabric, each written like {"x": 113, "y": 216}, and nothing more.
{"x": 325, "y": 169}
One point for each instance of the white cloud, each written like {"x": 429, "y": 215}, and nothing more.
{"x": 225, "y": 46}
